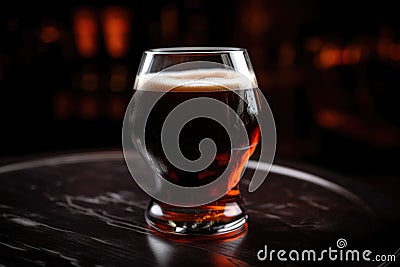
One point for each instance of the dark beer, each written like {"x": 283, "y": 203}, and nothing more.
{"x": 232, "y": 93}
{"x": 241, "y": 100}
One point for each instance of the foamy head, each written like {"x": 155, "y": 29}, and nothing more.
{"x": 195, "y": 81}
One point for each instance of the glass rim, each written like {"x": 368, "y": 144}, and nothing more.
{"x": 194, "y": 50}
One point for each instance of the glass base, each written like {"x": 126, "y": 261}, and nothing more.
{"x": 226, "y": 215}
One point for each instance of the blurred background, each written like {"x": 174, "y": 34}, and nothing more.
{"x": 329, "y": 69}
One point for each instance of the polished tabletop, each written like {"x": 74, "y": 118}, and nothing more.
{"x": 84, "y": 209}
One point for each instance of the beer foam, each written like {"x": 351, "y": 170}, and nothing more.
{"x": 195, "y": 81}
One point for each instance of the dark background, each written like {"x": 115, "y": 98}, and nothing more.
{"x": 329, "y": 69}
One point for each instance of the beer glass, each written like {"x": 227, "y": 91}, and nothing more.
{"x": 217, "y": 86}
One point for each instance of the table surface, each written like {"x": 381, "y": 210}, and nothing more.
{"x": 84, "y": 209}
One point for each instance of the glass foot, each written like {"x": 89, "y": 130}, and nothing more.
{"x": 226, "y": 215}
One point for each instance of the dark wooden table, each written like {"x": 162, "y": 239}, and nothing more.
{"x": 84, "y": 209}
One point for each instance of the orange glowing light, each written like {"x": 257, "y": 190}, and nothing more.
{"x": 330, "y": 119}
{"x": 86, "y": 30}
{"x": 255, "y": 17}
{"x": 49, "y": 34}
{"x": 116, "y": 29}
{"x": 233, "y": 192}
{"x": 329, "y": 57}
